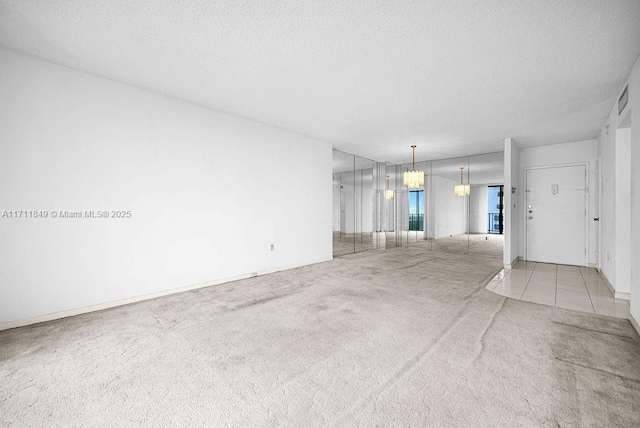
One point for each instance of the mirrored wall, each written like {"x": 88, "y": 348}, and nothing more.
{"x": 353, "y": 208}
{"x": 459, "y": 208}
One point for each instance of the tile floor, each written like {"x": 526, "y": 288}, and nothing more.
{"x": 569, "y": 287}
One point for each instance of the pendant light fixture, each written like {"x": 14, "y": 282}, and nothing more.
{"x": 414, "y": 178}
{"x": 462, "y": 189}
{"x": 388, "y": 194}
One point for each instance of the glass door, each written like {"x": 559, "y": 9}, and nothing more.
{"x": 416, "y": 214}
{"x": 496, "y": 207}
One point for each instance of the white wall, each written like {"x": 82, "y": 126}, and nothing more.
{"x": 479, "y": 209}
{"x": 580, "y": 152}
{"x": 208, "y": 192}
{"x": 607, "y": 190}
{"x": 623, "y": 211}
{"x": 512, "y": 210}
{"x": 449, "y": 211}
{"x": 619, "y": 150}
{"x": 614, "y": 150}
{"x": 634, "y": 105}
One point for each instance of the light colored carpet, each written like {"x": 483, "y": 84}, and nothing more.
{"x": 403, "y": 337}
{"x": 479, "y": 243}
{"x": 475, "y": 243}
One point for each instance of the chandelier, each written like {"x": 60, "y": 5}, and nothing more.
{"x": 414, "y": 178}
{"x": 462, "y": 189}
{"x": 388, "y": 194}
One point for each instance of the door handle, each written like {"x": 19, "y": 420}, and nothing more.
{"x": 596, "y": 219}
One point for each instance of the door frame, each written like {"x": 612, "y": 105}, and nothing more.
{"x": 586, "y": 206}
{"x": 599, "y": 235}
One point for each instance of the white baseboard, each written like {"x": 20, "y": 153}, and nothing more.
{"x": 101, "y": 306}
{"x": 623, "y": 296}
{"x": 616, "y": 294}
{"x": 513, "y": 263}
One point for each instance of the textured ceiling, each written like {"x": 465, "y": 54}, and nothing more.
{"x": 370, "y": 77}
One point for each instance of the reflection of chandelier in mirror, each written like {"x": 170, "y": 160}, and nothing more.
{"x": 414, "y": 178}
{"x": 388, "y": 194}
{"x": 462, "y": 189}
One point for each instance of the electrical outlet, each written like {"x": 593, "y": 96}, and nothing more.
{"x": 273, "y": 247}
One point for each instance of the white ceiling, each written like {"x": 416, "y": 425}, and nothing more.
{"x": 370, "y": 77}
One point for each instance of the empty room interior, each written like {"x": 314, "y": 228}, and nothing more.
{"x": 264, "y": 213}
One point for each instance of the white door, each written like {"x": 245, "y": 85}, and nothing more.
{"x": 556, "y": 215}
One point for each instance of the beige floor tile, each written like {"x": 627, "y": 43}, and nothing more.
{"x": 522, "y": 265}
{"x": 575, "y": 273}
{"x": 601, "y": 293}
{"x": 575, "y": 307}
{"x": 493, "y": 284}
{"x": 617, "y": 303}
{"x": 569, "y": 270}
{"x": 599, "y": 289}
{"x": 572, "y": 286}
{"x": 519, "y": 273}
{"x": 514, "y": 293}
{"x": 581, "y": 301}
{"x": 612, "y": 309}
{"x": 603, "y": 301}
{"x": 542, "y": 298}
{"x": 567, "y": 294}
{"x": 596, "y": 284}
{"x": 500, "y": 275}
{"x": 544, "y": 273}
{"x": 572, "y": 296}
{"x": 569, "y": 287}
{"x": 616, "y": 314}
{"x": 534, "y": 290}
{"x": 499, "y": 292}
{"x": 544, "y": 276}
{"x": 548, "y": 287}
{"x": 590, "y": 273}
{"x": 511, "y": 282}
{"x": 593, "y": 277}
{"x": 543, "y": 279}
{"x": 570, "y": 278}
